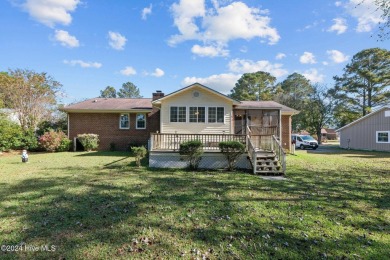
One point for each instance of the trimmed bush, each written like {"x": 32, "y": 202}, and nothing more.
{"x": 112, "y": 147}
{"x": 139, "y": 153}
{"x": 89, "y": 141}
{"x": 232, "y": 150}
{"x": 192, "y": 152}
{"x": 65, "y": 145}
{"x": 54, "y": 141}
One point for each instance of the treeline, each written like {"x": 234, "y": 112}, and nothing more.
{"x": 28, "y": 103}
{"x": 364, "y": 85}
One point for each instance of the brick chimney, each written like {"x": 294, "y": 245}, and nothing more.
{"x": 158, "y": 94}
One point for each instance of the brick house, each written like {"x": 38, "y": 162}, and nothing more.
{"x": 120, "y": 121}
{"x": 195, "y": 111}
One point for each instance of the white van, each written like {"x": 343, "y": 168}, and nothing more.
{"x": 304, "y": 141}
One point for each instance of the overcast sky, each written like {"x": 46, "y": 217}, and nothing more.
{"x": 166, "y": 45}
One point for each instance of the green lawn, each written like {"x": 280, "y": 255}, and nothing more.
{"x": 335, "y": 204}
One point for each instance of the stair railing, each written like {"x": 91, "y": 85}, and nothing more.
{"x": 279, "y": 152}
{"x": 251, "y": 152}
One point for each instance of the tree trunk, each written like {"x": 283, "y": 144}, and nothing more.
{"x": 364, "y": 102}
{"x": 319, "y": 136}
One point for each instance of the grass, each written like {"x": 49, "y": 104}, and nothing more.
{"x": 335, "y": 204}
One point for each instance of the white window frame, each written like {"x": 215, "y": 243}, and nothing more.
{"x": 186, "y": 115}
{"x": 216, "y": 115}
{"x": 197, "y": 116}
{"x": 380, "y": 132}
{"x": 120, "y": 117}
{"x": 136, "y": 121}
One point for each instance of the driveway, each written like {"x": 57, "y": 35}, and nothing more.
{"x": 325, "y": 148}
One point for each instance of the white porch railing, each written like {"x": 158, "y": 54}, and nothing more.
{"x": 172, "y": 142}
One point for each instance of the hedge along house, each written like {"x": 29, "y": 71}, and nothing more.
{"x": 371, "y": 132}
{"x": 193, "y": 112}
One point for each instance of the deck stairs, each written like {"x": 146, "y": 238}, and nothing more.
{"x": 266, "y": 163}
{"x": 267, "y": 157}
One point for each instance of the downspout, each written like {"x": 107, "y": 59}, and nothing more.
{"x": 246, "y": 121}
{"x": 68, "y": 125}
{"x": 280, "y": 127}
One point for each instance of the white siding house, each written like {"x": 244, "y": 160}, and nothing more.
{"x": 371, "y": 132}
{"x": 196, "y": 109}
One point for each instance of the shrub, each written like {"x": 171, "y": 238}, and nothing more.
{"x": 54, "y": 141}
{"x": 89, "y": 141}
{"x": 11, "y": 135}
{"x": 139, "y": 153}
{"x": 65, "y": 145}
{"x": 29, "y": 141}
{"x": 192, "y": 152}
{"x": 112, "y": 147}
{"x": 232, "y": 150}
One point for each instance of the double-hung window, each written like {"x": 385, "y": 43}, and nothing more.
{"x": 383, "y": 137}
{"x": 197, "y": 114}
{"x": 216, "y": 114}
{"x": 178, "y": 114}
{"x": 124, "y": 121}
{"x": 141, "y": 121}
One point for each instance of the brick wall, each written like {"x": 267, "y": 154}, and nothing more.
{"x": 286, "y": 132}
{"x": 106, "y": 125}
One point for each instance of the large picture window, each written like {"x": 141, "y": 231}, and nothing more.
{"x": 141, "y": 121}
{"x": 197, "y": 114}
{"x": 124, "y": 121}
{"x": 383, "y": 136}
{"x": 178, "y": 114}
{"x": 216, "y": 115}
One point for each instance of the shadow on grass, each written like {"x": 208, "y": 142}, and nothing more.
{"x": 334, "y": 149}
{"x": 158, "y": 213}
{"x": 104, "y": 153}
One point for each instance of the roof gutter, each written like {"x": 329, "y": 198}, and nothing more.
{"x": 105, "y": 110}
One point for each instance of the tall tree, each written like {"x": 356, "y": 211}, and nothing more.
{"x": 294, "y": 92}
{"x": 384, "y": 26}
{"x": 254, "y": 86}
{"x": 364, "y": 84}
{"x": 4, "y": 79}
{"x": 108, "y": 92}
{"x": 129, "y": 90}
{"x": 32, "y": 95}
{"x": 318, "y": 111}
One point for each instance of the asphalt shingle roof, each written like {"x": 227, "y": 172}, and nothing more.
{"x": 125, "y": 104}
{"x": 120, "y": 104}
{"x": 265, "y": 104}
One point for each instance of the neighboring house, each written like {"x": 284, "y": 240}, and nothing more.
{"x": 326, "y": 134}
{"x": 371, "y": 132}
{"x": 193, "y": 112}
{"x": 329, "y": 134}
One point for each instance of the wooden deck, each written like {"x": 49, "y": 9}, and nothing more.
{"x": 264, "y": 152}
{"x": 171, "y": 142}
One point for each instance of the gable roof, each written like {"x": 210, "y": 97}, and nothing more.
{"x": 107, "y": 105}
{"x": 111, "y": 105}
{"x": 364, "y": 117}
{"x": 266, "y": 105}
{"x": 158, "y": 101}
{"x": 330, "y": 130}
